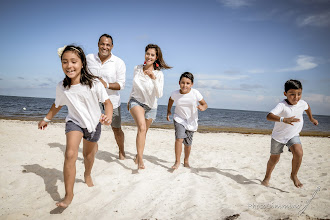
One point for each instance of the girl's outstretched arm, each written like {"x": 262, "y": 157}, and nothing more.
{"x": 108, "y": 109}
{"x": 52, "y": 112}
{"x": 310, "y": 116}
{"x": 202, "y": 105}
{"x": 169, "y": 107}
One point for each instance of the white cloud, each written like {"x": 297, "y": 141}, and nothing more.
{"x": 246, "y": 98}
{"x": 210, "y": 84}
{"x": 216, "y": 84}
{"x": 256, "y": 71}
{"x": 304, "y": 62}
{"x": 232, "y": 72}
{"x": 220, "y": 77}
{"x": 317, "y": 98}
{"x": 235, "y": 3}
{"x": 316, "y": 20}
{"x": 260, "y": 98}
{"x": 249, "y": 87}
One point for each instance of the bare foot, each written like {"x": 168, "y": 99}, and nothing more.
{"x": 140, "y": 164}
{"x": 122, "y": 155}
{"x": 176, "y": 165}
{"x": 186, "y": 164}
{"x": 88, "y": 180}
{"x": 65, "y": 202}
{"x": 265, "y": 182}
{"x": 296, "y": 181}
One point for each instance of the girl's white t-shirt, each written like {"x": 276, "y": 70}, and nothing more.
{"x": 145, "y": 89}
{"x": 283, "y": 132}
{"x": 82, "y": 102}
{"x": 186, "y": 112}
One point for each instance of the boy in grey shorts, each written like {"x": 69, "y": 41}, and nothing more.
{"x": 187, "y": 103}
{"x": 288, "y": 118}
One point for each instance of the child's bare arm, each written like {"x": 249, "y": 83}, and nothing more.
{"x": 108, "y": 109}
{"x": 272, "y": 117}
{"x": 52, "y": 112}
{"x": 169, "y": 107}
{"x": 310, "y": 116}
{"x": 202, "y": 105}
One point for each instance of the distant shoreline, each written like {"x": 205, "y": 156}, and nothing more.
{"x": 201, "y": 128}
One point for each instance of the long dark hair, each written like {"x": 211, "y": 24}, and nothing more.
{"x": 160, "y": 61}
{"x": 86, "y": 77}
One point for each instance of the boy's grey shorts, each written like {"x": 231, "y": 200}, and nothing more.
{"x": 89, "y": 136}
{"x": 182, "y": 133}
{"x": 149, "y": 113}
{"x": 277, "y": 147}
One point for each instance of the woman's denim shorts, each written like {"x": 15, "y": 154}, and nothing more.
{"x": 150, "y": 113}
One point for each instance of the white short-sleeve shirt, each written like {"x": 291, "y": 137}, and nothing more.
{"x": 145, "y": 89}
{"x": 82, "y": 102}
{"x": 186, "y": 112}
{"x": 112, "y": 70}
{"x": 283, "y": 132}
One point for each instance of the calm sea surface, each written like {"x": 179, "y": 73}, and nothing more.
{"x": 29, "y": 108}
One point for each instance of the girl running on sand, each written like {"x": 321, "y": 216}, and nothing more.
{"x": 81, "y": 92}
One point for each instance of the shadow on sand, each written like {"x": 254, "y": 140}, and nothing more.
{"x": 50, "y": 177}
{"x": 238, "y": 178}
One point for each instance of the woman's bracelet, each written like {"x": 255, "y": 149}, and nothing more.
{"x": 46, "y": 120}
{"x": 281, "y": 119}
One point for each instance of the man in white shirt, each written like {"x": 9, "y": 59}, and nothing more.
{"x": 112, "y": 71}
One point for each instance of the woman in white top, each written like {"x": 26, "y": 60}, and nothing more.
{"x": 148, "y": 83}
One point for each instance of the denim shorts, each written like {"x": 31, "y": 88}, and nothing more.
{"x": 149, "y": 113}
{"x": 89, "y": 136}
{"x": 277, "y": 147}
{"x": 182, "y": 133}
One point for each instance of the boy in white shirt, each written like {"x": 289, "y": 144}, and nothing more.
{"x": 187, "y": 103}
{"x": 288, "y": 117}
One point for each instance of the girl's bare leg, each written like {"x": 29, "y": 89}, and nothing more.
{"x": 89, "y": 151}
{"x": 73, "y": 139}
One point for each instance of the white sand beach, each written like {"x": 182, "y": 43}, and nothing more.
{"x": 223, "y": 183}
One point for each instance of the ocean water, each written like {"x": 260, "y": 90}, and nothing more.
{"x": 31, "y": 108}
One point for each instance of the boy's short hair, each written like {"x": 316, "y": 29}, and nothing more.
{"x": 187, "y": 75}
{"x": 292, "y": 84}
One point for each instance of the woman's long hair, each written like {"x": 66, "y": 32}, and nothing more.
{"x": 86, "y": 77}
{"x": 160, "y": 61}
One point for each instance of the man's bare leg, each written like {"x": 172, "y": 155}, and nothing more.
{"x": 187, "y": 150}
{"x": 120, "y": 139}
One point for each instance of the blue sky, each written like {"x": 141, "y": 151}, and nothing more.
{"x": 240, "y": 51}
